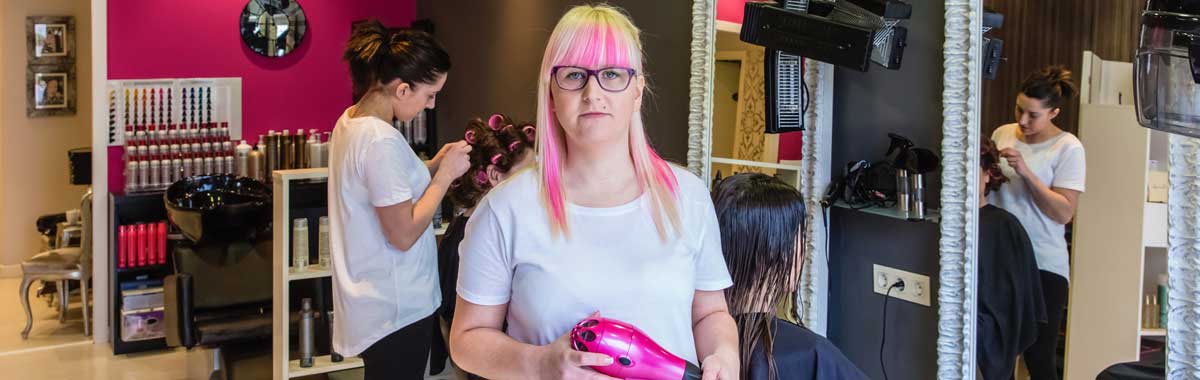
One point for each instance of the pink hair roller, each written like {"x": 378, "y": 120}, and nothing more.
{"x": 496, "y": 158}
{"x": 494, "y": 121}
{"x": 635, "y": 355}
{"x": 530, "y": 132}
{"x": 512, "y": 147}
{"x": 481, "y": 177}
{"x": 469, "y": 136}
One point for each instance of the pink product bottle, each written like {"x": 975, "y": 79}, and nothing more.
{"x": 140, "y": 243}
{"x": 206, "y": 147}
{"x": 122, "y": 245}
{"x": 142, "y": 152}
{"x": 162, "y": 243}
{"x": 635, "y": 355}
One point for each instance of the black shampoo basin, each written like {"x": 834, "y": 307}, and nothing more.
{"x": 219, "y": 208}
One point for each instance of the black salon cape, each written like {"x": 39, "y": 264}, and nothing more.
{"x": 801, "y": 354}
{"x": 1010, "y": 293}
{"x": 448, "y": 276}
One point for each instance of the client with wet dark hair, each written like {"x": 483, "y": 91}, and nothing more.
{"x": 762, "y": 222}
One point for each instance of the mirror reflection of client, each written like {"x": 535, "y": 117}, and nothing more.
{"x": 762, "y": 237}
{"x": 499, "y": 149}
{"x": 604, "y": 224}
{"x": 1011, "y": 308}
{"x": 1046, "y": 168}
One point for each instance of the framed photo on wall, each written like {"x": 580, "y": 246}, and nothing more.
{"x": 50, "y": 90}
{"x": 50, "y": 39}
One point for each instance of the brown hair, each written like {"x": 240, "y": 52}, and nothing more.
{"x": 989, "y": 162}
{"x": 499, "y": 142}
{"x": 379, "y": 56}
{"x": 1051, "y": 85}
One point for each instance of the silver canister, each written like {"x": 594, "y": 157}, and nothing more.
{"x": 902, "y": 195}
{"x": 916, "y": 208}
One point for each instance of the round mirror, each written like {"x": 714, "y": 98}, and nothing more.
{"x": 273, "y": 27}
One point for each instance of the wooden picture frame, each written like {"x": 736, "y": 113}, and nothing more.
{"x": 50, "y": 90}
{"x": 50, "y": 40}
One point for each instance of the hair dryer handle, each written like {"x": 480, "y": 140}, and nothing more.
{"x": 692, "y": 372}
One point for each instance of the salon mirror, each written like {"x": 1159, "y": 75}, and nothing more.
{"x": 1103, "y": 274}
{"x": 272, "y": 28}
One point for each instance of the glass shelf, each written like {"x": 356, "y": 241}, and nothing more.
{"x": 932, "y": 215}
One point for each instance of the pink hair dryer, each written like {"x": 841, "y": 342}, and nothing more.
{"x": 635, "y": 355}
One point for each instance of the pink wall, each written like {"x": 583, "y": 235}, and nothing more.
{"x": 730, "y": 10}
{"x": 791, "y": 145}
{"x": 308, "y": 88}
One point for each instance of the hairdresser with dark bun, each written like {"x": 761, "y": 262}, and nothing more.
{"x": 382, "y": 198}
{"x": 1045, "y": 167}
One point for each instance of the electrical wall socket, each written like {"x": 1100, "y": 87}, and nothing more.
{"x": 916, "y": 287}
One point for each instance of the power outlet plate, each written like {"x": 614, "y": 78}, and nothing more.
{"x": 916, "y": 287}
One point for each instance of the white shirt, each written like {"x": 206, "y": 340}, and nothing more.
{"x": 613, "y": 262}
{"x": 1058, "y": 162}
{"x": 378, "y": 288}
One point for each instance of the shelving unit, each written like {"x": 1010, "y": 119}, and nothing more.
{"x": 130, "y": 209}
{"x": 283, "y": 275}
{"x": 1120, "y": 239}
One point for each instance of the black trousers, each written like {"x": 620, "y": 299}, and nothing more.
{"x": 401, "y": 355}
{"x": 1042, "y": 356}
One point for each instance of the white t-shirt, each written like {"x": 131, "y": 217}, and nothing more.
{"x": 1058, "y": 162}
{"x": 614, "y": 262}
{"x": 378, "y": 288}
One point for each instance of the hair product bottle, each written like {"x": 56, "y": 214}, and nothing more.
{"x": 300, "y": 244}
{"x": 323, "y": 242}
{"x": 306, "y": 333}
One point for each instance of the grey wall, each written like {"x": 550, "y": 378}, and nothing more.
{"x": 496, "y": 48}
{"x": 866, "y": 107}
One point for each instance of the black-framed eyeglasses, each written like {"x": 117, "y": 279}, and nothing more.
{"x": 574, "y": 78}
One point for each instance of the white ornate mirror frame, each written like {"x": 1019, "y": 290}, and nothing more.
{"x": 960, "y": 189}
{"x": 1183, "y": 260}
{"x": 961, "y": 128}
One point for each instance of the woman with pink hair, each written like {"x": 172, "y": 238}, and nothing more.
{"x": 602, "y": 224}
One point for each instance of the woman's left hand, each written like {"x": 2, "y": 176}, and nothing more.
{"x": 719, "y": 367}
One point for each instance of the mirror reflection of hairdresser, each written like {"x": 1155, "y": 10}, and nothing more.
{"x": 762, "y": 237}
{"x": 1045, "y": 166}
{"x": 1011, "y": 308}
{"x": 381, "y": 200}
{"x": 602, "y": 224}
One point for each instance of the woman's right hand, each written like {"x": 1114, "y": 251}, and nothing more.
{"x": 455, "y": 160}
{"x": 558, "y": 361}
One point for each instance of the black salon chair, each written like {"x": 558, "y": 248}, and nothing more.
{"x": 219, "y": 296}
